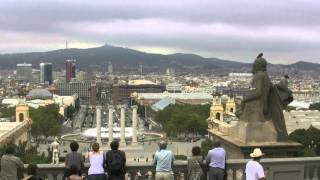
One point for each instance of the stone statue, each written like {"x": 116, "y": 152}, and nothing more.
{"x": 284, "y": 92}
{"x": 55, "y": 151}
{"x": 254, "y": 106}
{"x": 265, "y": 102}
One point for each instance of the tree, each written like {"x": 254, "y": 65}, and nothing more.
{"x": 8, "y": 112}
{"x": 310, "y": 139}
{"x": 183, "y": 119}
{"x": 77, "y": 104}
{"x": 46, "y": 121}
{"x": 140, "y": 110}
{"x": 70, "y": 112}
{"x": 206, "y": 145}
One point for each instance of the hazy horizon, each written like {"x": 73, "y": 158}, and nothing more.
{"x": 234, "y": 30}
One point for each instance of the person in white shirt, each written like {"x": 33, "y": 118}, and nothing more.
{"x": 254, "y": 170}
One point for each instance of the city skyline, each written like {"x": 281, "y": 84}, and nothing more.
{"x": 233, "y": 30}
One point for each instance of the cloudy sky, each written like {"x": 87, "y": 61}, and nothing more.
{"x": 286, "y": 31}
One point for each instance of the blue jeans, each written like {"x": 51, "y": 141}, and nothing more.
{"x": 97, "y": 177}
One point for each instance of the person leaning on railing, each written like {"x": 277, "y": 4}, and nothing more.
{"x": 115, "y": 162}
{"x": 195, "y": 171}
{"x": 74, "y": 158}
{"x": 163, "y": 160}
{"x": 96, "y": 161}
{"x": 11, "y": 166}
{"x": 254, "y": 170}
{"x": 216, "y": 161}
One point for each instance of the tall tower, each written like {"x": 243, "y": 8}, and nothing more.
{"x": 216, "y": 110}
{"x": 93, "y": 95}
{"x": 70, "y": 70}
{"x": 110, "y": 68}
{"x": 22, "y": 112}
{"x": 46, "y": 73}
{"x": 22, "y": 116}
{"x": 141, "y": 69}
{"x": 230, "y": 106}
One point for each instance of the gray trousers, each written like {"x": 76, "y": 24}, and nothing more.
{"x": 216, "y": 173}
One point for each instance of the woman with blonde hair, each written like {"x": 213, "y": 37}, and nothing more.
{"x": 96, "y": 161}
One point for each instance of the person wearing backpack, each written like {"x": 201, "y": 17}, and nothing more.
{"x": 116, "y": 162}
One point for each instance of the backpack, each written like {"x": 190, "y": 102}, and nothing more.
{"x": 115, "y": 162}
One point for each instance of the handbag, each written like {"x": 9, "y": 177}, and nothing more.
{"x": 204, "y": 168}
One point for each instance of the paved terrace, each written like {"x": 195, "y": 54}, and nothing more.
{"x": 278, "y": 169}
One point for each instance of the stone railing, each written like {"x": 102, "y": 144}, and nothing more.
{"x": 276, "y": 169}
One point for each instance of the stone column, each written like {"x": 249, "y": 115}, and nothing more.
{"x": 110, "y": 124}
{"x": 134, "y": 125}
{"x": 98, "y": 123}
{"x": 122, "y": 126}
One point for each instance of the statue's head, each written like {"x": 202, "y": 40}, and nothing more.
{"x": 260, "y": 64}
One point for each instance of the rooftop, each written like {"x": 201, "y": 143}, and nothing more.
{"x": 39, "y": 94}
{"x": 140, "y": 82}
{"x": 174, "y": 95}
{"x": 160, "y": 105}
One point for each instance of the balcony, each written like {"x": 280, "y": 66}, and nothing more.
{"x": 278, "y": 169}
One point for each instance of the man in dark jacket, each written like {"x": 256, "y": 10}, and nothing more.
{"x": 116, "y": 162}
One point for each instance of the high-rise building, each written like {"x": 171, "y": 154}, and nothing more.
{"x": 122, "y": 93}
{"x": 82, "y": 89}
{"x": 46, "y": 73}
{"x": 36, "y": 75}
{"x": 141, "y": 69}
{"x": 70, "y": 69}
{"x": 110, "y": 68}
{"x": 93, "y": 95}
{"x": 24, "y": 72}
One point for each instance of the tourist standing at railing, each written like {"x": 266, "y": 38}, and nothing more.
{"x": 254, "y": 170}
{"x": 11, "y": 166}
{"x": 163, "y": 160}
{"x": 96, "y": 161}
{"x": 216, "y": 161}
{"x": 115, "y": 162}
{"x": 32, "y": 171}
{"x": 195, "y": 171}
{"x": 74, "y": 158}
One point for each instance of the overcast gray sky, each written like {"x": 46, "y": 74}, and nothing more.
{"x": 286, "y": 31}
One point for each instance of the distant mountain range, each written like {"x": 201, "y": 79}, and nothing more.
{"x": 125, "y": 58}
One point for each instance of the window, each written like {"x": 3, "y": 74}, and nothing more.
{"x": 21, "y": 117}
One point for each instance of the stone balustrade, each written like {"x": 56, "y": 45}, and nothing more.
{"x": 277, "y": 169}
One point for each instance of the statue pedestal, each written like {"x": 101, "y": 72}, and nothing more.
{"x": 241, "y": 138}
{"x": 254, "y": 132}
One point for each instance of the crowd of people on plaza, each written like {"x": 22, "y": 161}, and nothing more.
{"x": 112, "y": 164}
